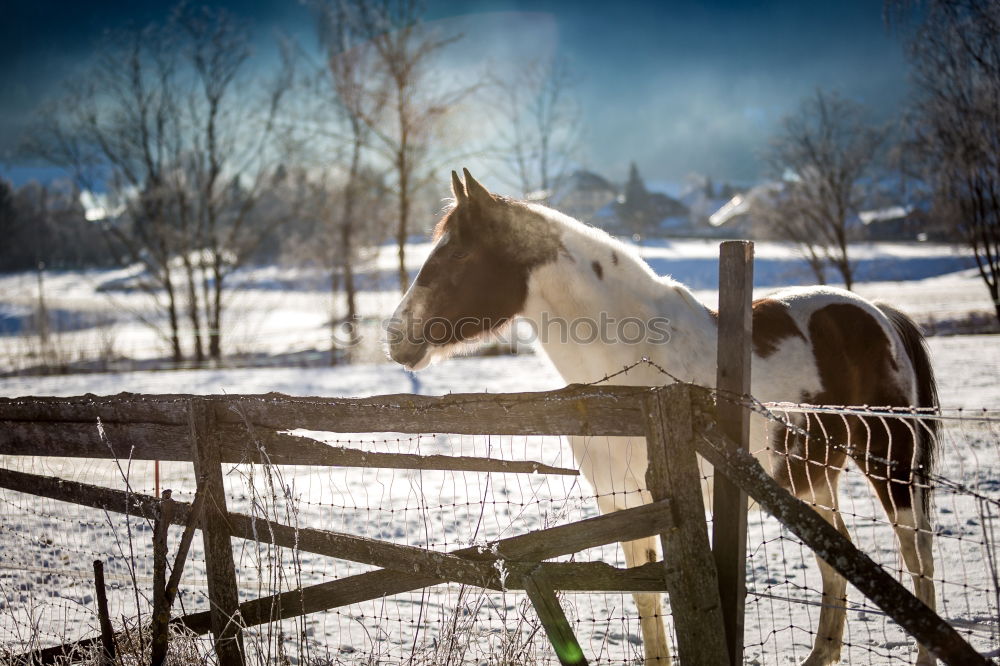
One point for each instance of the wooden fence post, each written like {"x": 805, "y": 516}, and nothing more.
{"x": 223, "y": 595}
{"x": 691, "y": 580}
{"x": 538, "y": 587}
{"x": 107, "y": 633}
{"x": 161, "y": 608}
{"x": 729, "y": 502}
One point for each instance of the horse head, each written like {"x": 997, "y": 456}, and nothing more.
{"x": 475, "y": 280}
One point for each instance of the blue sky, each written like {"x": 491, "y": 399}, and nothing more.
{"x": 679, "y": 87}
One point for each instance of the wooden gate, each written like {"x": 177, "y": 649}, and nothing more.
{"x": 237, "y": 429}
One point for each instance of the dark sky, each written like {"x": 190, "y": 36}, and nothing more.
{"x": 679, "y": 87}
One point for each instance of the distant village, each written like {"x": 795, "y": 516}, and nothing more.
{"x": 705, "y": 210}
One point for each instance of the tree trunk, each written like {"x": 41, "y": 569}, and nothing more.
{"x": 349, "y": 290}
{"x": 175, "y": 338}
{"x": 843, "y": 262}
{"x": 846, "y": 271}
{"x": 346, "y": 249}
{"x": 347, "y": 227}
{"x": 206, "y": 289}
{"x": 403, "y": 171}
{"x": 199, "y": 349}
{"x": 334, "y": 320}
{"x": 995, "y": 295}
{"x": 215, "y": 333}
{"x": 818, "y": 270}
{"x": 401, "y": 231}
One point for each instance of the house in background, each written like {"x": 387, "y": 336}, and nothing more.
{"x": 909, "y": 222}
{"x": 894, "y": 222}
{"x": 583, "y": 195}
{"x": 702, "y": 200}
{"x": 736, "y": 218}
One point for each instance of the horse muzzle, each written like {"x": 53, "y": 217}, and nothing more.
{"x": 406, "y": 349}
{"x": 406, "y": 342}
{"x": 411, "y": 356}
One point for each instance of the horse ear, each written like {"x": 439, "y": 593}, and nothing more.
{"x": 458, "y": 189}
{"x": 477, "y": 193}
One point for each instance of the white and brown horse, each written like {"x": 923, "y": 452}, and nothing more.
{"x": 497, "y": 259}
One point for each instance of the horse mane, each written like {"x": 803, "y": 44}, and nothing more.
{"x": 443, "y": 222}
{"x": 451, "y": 205}
{"x": 603, "y": 246}
{"x": 622, "y": 254}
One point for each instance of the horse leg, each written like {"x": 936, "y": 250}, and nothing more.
{"x": 905, "y": 503}
{"x": 833, "y": 614}
{"x": 811, "y": 471}
{"x": 913, "y": 530}
{"x": 654, "y": 637}
{"x": 905, "y": 507}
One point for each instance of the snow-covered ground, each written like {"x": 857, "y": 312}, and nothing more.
{"x": 46, "y": 547}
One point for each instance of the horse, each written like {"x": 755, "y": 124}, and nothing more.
{"x": 496, "y": 259}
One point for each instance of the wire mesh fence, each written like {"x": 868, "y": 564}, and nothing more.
{"x": 47, "y": 547}
{"x": 784, "y": 586}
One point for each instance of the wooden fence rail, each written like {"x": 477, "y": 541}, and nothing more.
{"x": 239, "y": 444}
{"x": 574, "y": 410}
{"x": 465, "y": 566}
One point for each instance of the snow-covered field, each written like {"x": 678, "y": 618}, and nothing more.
{"x": 46, "y": 547}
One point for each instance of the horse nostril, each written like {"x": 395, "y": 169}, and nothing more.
{"x": 407, "y": 354}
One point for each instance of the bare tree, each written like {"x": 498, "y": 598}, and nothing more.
{"x": 414, "y": 100}
{"x": 357, "y": 94}
{"x": 230, "y": 164}
{"x": 319, "y": 237}
{"x": 112, "y": 129}
{"x": 164, "y": 121}
{"x": 956, "y": 119}
{"x": 539, "y": 125}
{"x": 826, "y": 154}
{"x": 780, "y": 213}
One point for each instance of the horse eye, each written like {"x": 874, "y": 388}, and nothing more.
{"x": 459, "y": 254}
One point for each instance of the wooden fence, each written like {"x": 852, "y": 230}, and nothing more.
{"x": 677, "y": 420}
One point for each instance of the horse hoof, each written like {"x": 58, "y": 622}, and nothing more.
{"x": 820, "y": 658}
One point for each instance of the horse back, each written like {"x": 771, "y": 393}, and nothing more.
{"x": 831, "y": 347}
{"x": 828, "y": 346}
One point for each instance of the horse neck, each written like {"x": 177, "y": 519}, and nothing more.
{"x": 596, "y": 274}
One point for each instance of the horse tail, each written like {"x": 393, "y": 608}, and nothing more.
{"x": 927, "y": 395}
